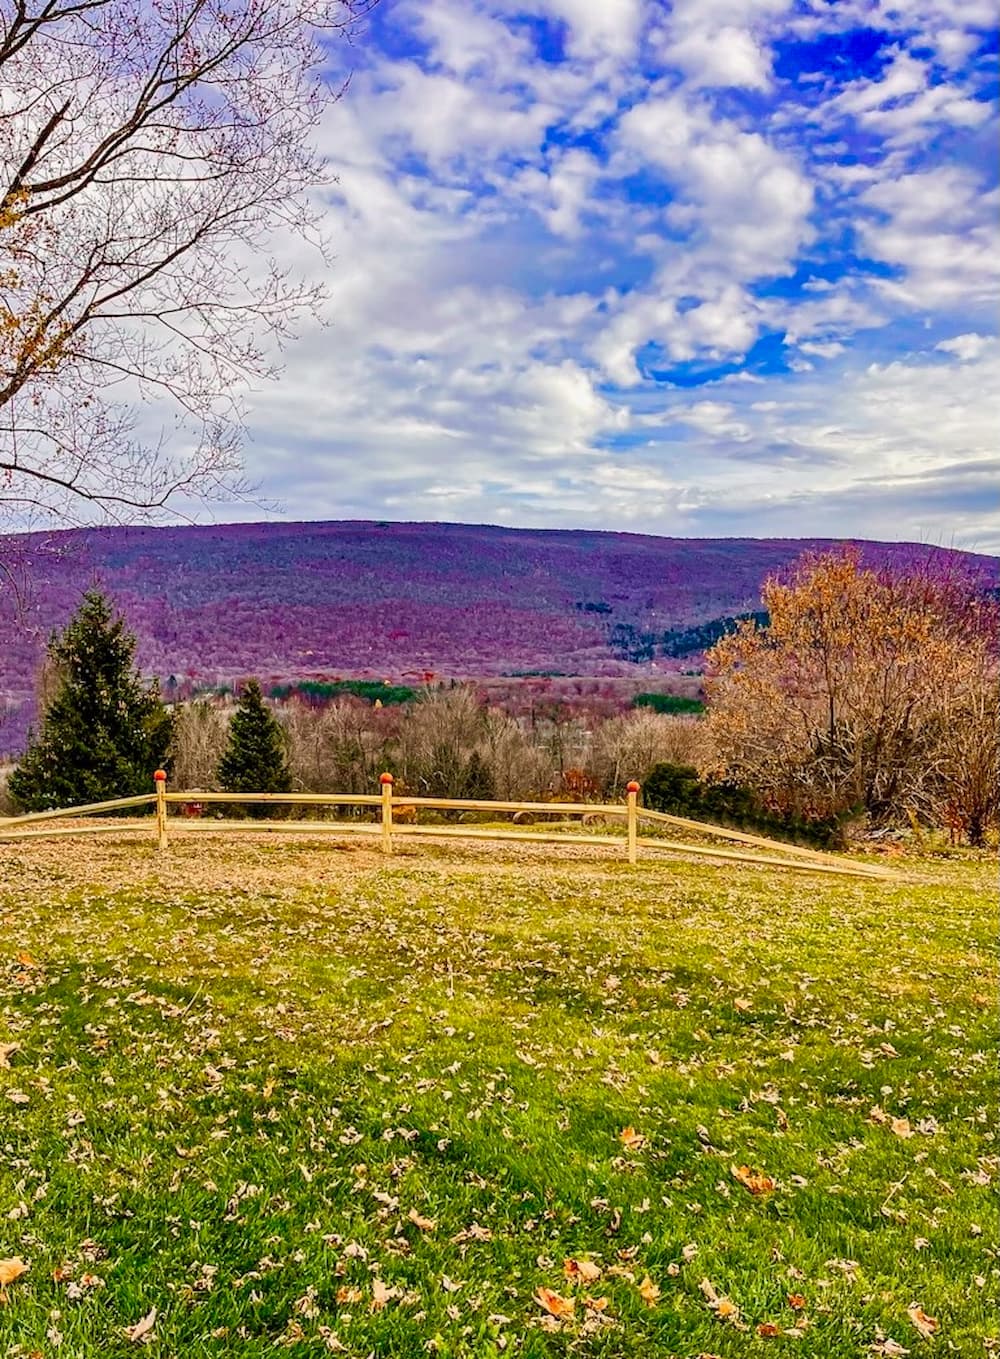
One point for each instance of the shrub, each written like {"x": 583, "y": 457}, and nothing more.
{"x": 679, "y": 790}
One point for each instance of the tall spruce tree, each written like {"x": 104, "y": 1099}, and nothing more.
{"x": 103, "y": 731}
{"x": 254, "y": 760}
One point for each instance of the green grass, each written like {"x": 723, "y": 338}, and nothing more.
{"x": 669, "y": 703}
{"x": 243, "y": 1067}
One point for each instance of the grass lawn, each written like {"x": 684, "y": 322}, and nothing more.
{"x": 491, "y": 1101}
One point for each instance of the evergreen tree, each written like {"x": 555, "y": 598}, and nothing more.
{"x": 254, "y": 760}
{"x": 103, "y": 731}
{"x": 478, "y": 779}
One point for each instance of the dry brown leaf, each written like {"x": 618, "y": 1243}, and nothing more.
{"x": 554, "y": 1303}
{"x": 631, "y": 1140}
{"x": 26, "y": 960}
{"x": 142, "y": 1331}
{"x": 346, "y": 1293}
{"x": 708, "y": 1288}
{"x": 11, "y": 1269}
{"x": 381, "y": 1294}
{"x": 649, "y": 1292}
{"x": 582, "y": 1271}
{"x": 7, "y": 1051}
{"x": 926, "y": 1326}
{"x": 768, "y": 1329}
{"x": 595, "y": 1304}
{"x": 426, "y": 1224}
{"x": 754, "y": 1180}
{"x": 901, "y": 1127}
{"x": 796, "y": 1301}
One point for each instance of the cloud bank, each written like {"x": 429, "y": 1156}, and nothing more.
{"x": 718, "y": 267}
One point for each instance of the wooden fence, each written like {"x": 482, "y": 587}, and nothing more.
{"x": 750, "y": 849}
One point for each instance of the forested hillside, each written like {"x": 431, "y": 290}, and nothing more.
{"x": 400, "y": 601}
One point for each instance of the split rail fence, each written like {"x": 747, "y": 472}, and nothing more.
{"x": 744, "y": 848}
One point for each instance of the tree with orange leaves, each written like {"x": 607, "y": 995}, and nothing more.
{"x": 869, "y": 688}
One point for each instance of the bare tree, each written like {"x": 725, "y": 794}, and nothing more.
{"x": 628, "y": 746}
{"x": 201, "y": 730}
{"x": 149, "y": 154}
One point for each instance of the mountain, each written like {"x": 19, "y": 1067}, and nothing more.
{"x": 390, "y": 600}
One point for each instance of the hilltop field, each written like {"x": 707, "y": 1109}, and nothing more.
{"x": 280, "y": 1098}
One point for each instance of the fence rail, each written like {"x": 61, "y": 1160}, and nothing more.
{"x": 388, "y": 826}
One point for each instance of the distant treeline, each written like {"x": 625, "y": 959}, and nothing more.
{"x": 631, "y": 644}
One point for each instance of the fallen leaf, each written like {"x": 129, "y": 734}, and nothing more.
{"x": 926, "y": 1326}
{"x": 554, "y": 1303}
{"x": 426, "y": 1224}
{"x": 595, "y": 1304}
{"x": 7, "y": 1051}
{"x": 754, "y": 1180}
{"x": 796, "y": 1301}
{"x": 142, "y": 1331}
{"x": 901, "y": 1127}
{"x": 631, "y": 1140}
{"x": 768, "y": 1329}
{"x": 26, "y": 960}
{"x": 649, "y": 1292}
{"x": 11, "y": 1269}
{"x": 381, "y": 1294}
{"x": 583, "y": 1270}
{"x": 346, "y": 1293}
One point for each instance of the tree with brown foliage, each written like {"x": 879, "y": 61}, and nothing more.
{"x": 149, "y": 155}
{"x": 869, "y": 688}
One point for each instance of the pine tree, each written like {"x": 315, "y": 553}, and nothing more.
{"x": 103, "y": 731}
{"x": 254, "y": 760}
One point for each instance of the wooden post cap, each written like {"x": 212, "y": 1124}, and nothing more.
{"x": 385, "y": 779}
{"x": 159, "y": 777}
{"x": 632, "y": 787}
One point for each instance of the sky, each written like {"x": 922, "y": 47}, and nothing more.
{"x": 715, "y": 268}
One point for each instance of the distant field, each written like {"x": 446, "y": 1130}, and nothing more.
{"x": 273, "y": 1098}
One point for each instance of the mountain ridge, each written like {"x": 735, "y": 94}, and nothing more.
{"x": 391, "y": 599}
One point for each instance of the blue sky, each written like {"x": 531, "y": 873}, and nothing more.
{"x": 721, "y": 267}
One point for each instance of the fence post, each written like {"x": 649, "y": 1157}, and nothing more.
{"x": 160, "y": 779}
{"x": 632, "y": 790}
{"x": 386, "y": 781}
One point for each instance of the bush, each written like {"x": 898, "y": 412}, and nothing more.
{"x": 679, "y": 790}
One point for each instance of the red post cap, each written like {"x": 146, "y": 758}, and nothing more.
{"x": 385, "y": 779}
{"x": 159, "y": 777}
{"x": 632, "y": 787}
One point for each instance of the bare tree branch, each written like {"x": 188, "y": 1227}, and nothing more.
{"x": 150, "y": 158}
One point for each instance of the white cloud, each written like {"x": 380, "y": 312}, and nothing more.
{"x": 966, "y": 347}
{"x": 725, "y": 57}
{"x": 938, "y": 228}
{"x": 607, "y": 28}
